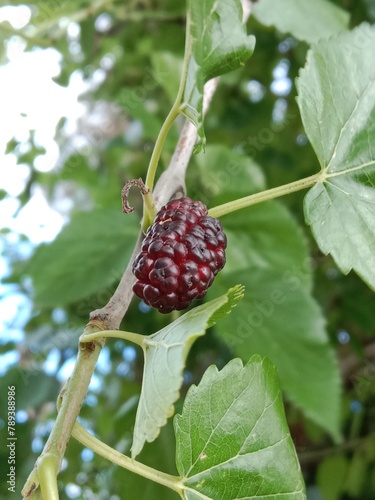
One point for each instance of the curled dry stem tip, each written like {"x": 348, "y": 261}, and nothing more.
{"x": 126, "y": 208}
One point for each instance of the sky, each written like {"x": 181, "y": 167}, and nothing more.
{"x": 31, "y": 103}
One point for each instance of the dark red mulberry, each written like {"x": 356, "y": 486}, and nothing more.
{"x": 181, "y": 254}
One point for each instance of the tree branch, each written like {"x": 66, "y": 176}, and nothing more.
{"x": 351, "y": 363}
{"x": 110, "y": 316}
{"x": 72, "y": 397}
{"x": 171, "y": 183}
{"x": 313, "y": 456}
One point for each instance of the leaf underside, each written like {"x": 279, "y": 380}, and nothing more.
{"x": 165, "y": 355}
{"x": 338, "y": 113}
{"x": 219, "y": 44}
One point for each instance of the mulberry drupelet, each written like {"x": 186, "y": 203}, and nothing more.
{"x": 181, "y": 254}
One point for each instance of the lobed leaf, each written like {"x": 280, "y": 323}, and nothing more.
{"x": 232, "y": 438}
{"x": 165, "y": 355}
{"x": 338, "y": 111}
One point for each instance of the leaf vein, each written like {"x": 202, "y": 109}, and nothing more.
{"x": 217, "y": 425}
{"x": 345, "y": 124}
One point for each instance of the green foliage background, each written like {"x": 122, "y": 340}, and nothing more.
{"x": 250, "y": 144}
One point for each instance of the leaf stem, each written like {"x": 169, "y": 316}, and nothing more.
{"x": 172, "y": 115}
{"x": 269, "y": 194}
{"x": 136, "y": 338}
{"x": 148, "y": 216}
{"x": 47, "y": 474}
{"x": 87, "y": 439}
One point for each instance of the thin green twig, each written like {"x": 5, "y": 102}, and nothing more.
{"x": 102, "y": 449}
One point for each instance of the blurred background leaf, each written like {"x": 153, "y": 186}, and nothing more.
{"x": 307, "y": 21}
{"x": 88, "y": 255}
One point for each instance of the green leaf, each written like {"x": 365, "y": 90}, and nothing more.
{"x": 133, "y": 102}
{"x": 232, "y": 438}
{"x": 48, "y": 14}
{"x": 305, "y": 19}
{"x": 34, "y": 388}
{"x": 165, "y": 355}
{"x": 224, "y": 171}
{"x": 331, "y": 476}
{"x": 337, "y": 102}
{"x": 167, "y": 68}
{"x": 254, "y": 234}
{"x": 88, "y": 255}
{"x": 217, "y": 43}
{"x": 278, "y": 317}
{"x": 356, "y": 475}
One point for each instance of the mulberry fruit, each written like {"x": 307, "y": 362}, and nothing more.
{"x": 181, "y": 254}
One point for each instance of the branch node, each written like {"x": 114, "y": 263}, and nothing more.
{"x": 89, "y": 346}
{"x": 96, "y": 323}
